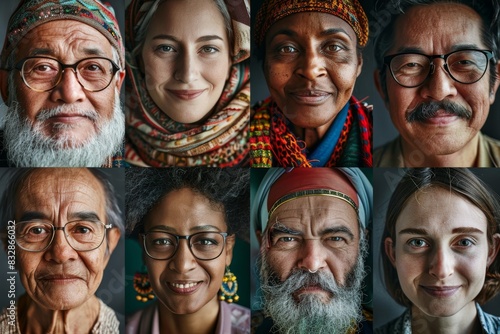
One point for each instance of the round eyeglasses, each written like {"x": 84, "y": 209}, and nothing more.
{"x": 464, "y": 66}
{"x": 43, "y": 74}
{"x": 203, "y": 245}
{"x": 81, "y": 235}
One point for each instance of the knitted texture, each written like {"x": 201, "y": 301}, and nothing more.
{"x": 350, "y": 11}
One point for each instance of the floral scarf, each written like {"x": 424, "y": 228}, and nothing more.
{"x": 154, "y": 139}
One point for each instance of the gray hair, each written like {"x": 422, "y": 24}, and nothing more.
{"x": 226, "y": 187}
{"x": 14, "y": 179}
{"x": 489, "y": 10}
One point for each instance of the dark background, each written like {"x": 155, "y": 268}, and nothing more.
{"x": 385, "y": 181}
{"x": 112, "y": 287}
{"x": 383, "y": 130}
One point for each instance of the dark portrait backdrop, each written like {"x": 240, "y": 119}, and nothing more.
{"x": 365, "y": 90}
{"x": 385, "y": 181}
{"x": 112, "y": 288}
{"x": 7, "y": 7}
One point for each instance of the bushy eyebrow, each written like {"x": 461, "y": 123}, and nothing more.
{"x": 278, "y": 227}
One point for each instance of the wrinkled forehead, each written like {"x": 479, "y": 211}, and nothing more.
{"x": 54, "y": 187}
{"x": 315, "y": 214}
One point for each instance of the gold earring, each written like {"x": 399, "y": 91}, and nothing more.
{"x": 143, "y": 286}
{"x": 229, "y": 287}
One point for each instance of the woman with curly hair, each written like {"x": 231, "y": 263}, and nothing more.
{"x": 186, "y": 220}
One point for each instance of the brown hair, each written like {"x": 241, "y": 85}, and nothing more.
{"x": 462, "y": 182}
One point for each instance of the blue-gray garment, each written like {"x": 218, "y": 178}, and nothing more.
{"x": 490, "y": 324}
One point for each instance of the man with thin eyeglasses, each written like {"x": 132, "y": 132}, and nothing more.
{"x": 66, "y": 224}
{"x": 62, "y": 66}
{"x": 437, "y": 71}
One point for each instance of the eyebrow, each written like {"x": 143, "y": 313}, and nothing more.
{"x": 204, "y": 38}
{"x": 421, "y": 231}
{"x": 32, "y": 215}
{"x": 457, "y": 47}
{"x": 278, "y": 227}
{"x": 85, "y": 215}
{"x": 327, "y": 32}
{"x": 199, "y": 228}
{"x": 50, "y": 52}
{"x": 338, "y": 229}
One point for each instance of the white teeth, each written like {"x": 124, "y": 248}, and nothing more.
{"x": 183, "y": 286}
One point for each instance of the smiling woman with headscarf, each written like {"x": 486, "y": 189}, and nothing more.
{"x": 312, "y": 57}
{"x": 188, "y": 83}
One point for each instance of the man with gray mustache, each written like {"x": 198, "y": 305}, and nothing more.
{"x": 311, "y": 224}
{"x": 61, "y": 72}
{"x": 437, "y": 71}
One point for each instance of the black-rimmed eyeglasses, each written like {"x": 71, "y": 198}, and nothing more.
{"x": 203, "y": 245}
{"x": 43, "y": 74}
{"x": 81, "y": 235}
{"x": 464, "y": 66}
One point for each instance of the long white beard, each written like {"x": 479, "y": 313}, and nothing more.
{"x": 28, "y": 146}
{"x": 311, "y": 314}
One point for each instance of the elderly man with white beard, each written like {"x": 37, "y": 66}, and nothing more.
{"x": 61, "y": 72}
{"x": 312, "y": 229}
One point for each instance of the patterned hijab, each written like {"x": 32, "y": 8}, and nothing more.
{"x": 153, "y": 138}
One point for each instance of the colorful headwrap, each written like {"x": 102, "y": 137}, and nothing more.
{"x": 32, "y": 13}
{"x": 348, "y": 10}
{"x": 281, "y": 185}
{"x": 153, "y": 138}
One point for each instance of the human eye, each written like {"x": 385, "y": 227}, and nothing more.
{"x": 33, "y": 231}
{"x": 287, "y": 49}
{"x": 334, "y": 47}
{"x": 417, "y": 243}
{"x": 161, "y": 242}
{"x": 465, "y": 242}
{"x": 209, "y": 50}
{"x": 164, "y": 48}
{"x": 284, "y": 241}
{"x": 41, "y": 67}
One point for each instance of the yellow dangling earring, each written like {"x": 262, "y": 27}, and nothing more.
{"x": 143, "y": 286}
{"x": 229, "y": 287}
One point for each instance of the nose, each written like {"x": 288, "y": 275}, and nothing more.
{"x": 59, "y": 250}
{"x": 186, "y": 68}
{"x": 440, "y": 85}
{"x": 68, "y": 90}
{"x": 311, "y": 66}
{"x": 183, "y": 260}
{"x": 312, "y": 256}
{"x": 441, "y": 264}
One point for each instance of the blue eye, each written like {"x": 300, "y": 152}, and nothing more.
{"x": 465, "y": 243}
{"x": 165, "y": 48}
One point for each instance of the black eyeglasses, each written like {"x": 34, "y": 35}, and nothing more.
{"x": 203, "y": 245}
{"x": 464, "y": 66}
{"x": 81, "y": 235}
{"x": 43, "y": 74}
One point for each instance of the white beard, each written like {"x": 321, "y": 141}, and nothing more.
{"x": 311, "y": 314}
{"x": 28, "y": 146}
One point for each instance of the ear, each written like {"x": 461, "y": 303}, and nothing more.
{"x": 378, "y": 85}
{"x": 258, "y": 233}
{"x": 112, "y": 237}
{"x": 389, "y": 250}
{"x": 4, "y": 79}
{"x": 494, "y": 88}
{"x": 230, "y": 240}
{"x": 360, "y": 65}
{"x": 119, "y": 81}
{"x": 494, "y": 249}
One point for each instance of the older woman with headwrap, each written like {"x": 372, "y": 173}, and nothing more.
{"x": 188, "y": 83}
{"x": 312, "y": 57}
{"x": 312, "y": 227}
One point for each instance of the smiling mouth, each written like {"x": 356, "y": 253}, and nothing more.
{"x": 184, "y": 288}
{"x": 440, "y": 292}
{"x": 187, "y": 94}
{"x": 310, "y": 97}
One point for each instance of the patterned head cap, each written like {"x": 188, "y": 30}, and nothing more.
{"x": 32, "y": 13}
{"x": 348, "y": 10}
